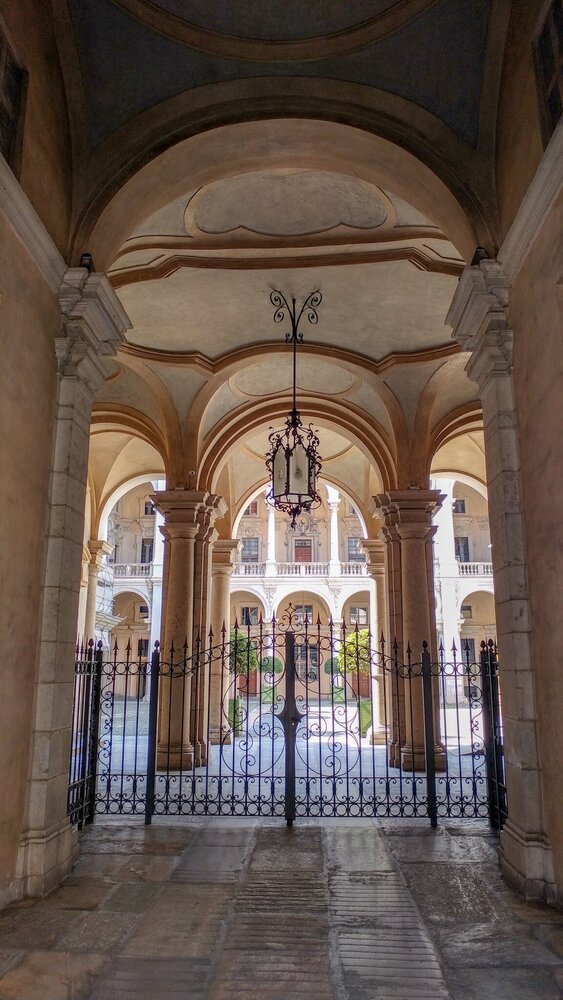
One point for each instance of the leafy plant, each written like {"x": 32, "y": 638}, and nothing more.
{"x": 243, "y": 658}
{"x": 269, "y": 665}
{"x": 354, "y": 654}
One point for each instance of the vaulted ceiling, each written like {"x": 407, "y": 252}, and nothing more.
{"x": 227, "y": 147}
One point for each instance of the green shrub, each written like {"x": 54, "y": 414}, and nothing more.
{"x": 271, "y": 666}
{"x": 235, "y": 714}
{"x": 243, "y": 658}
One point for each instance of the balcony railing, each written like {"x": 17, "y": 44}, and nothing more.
{"x": 132, "y": 569}
{"x": 300, "y": 569}
{"x": 475, "y": 568}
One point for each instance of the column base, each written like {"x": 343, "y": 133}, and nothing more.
{"x": 45, "y": 857}
{"x": 414, "y": 758}
{"x": 394, "y": 754}
{"x": 220, "y": 737}
{"x": 378, "y": 736}
{"x": 174, "y": 757}
{"x": 200, "y": 753}
{"x": 526, "y": 863}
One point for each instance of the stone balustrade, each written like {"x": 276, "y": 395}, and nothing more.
{"x": 475, "y": 569}
{"x": 300, "y": 569}
{"x": 133, "y": 569}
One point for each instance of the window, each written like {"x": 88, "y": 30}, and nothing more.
{"x": 355, "y": 553}
{"x": 468, "y": 647}
{"x": 143, "y": 647}
{"x": 149, "y": 508}
{"x": 143, "y": 611}
{"x": 146, "y": 550}
{"x": 11, "y": 81}
{"x": 251, "y": 510}
{"x": 303, "y": 613}
{"x": 549, "y": 62}
{"x": 358, "y": 616}
{"x": 466, "y": 611}
{"x": 249, "y": 550}
{"x": 249, "y": 616}
{"x": 458, "y": 507}
{"x": 307, "y": 661}
{"x": 303, "y": 550}
{"x": 461, "y": 548}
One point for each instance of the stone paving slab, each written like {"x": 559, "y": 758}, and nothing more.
{"x": 327, "y": 910}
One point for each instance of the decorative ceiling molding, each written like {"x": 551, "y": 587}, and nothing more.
{"x": 338, "y": 43}
{"x": 29, "y": 229}
{"x": 534, "y": 208}
{"x": 251, "y": 352}
{"x": 420, "y": 257}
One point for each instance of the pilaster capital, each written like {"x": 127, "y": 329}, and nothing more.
{"x": 93, "y": 322}
{"x": 479, "y": 318}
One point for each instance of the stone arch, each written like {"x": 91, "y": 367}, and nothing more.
{"x": 227, "y": 435}
{"x": 228, "y": 128}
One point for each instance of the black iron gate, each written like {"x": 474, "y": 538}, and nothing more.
{"x": 287, "y": 718}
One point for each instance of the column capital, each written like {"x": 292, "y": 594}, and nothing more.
{"x": 98, "y": 552}
{"x": 223, "y": 553}
{"x": 375, "y": 551}
{"x": 408, "y": 513}
{"x": 179, "y": 506}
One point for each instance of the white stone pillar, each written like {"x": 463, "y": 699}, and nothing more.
{"x": 157, "y": 572}
{"x": 271, "y": 565}
{"x": 448, "y": 573}
{"x": 480, "y": 321}
{"x": 98, "y": 552}
{"x": 374, "y": 550}
{"x": 334, "y": 548}
{"x": 93, "y": 322}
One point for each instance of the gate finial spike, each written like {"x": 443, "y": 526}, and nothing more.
{"x": 128, "y": 646}
{"x": 90, "y": 642}
{"x": 100, "y": 644}
{"x": 115, "y": 648}
{"x": 157, "y": 644}
{"x": 318, "y": 621}
{"x": 409, "y": 650}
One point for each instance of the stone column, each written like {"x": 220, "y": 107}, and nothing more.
{"x": 180, "y": 508}
{"x": 381, "y": 689}
{"x": 222, "y": 568}
{"x": 98, "y": 552}
{"x": 213, "y": 508}
{"x": 392, "y": 628}
{"x": 411, "y": 511}
{"x": 334, "y": 550}
{"x": 92, "y": 326}
{"x": 480, "y": 321}
{"x": 157, "y": 574}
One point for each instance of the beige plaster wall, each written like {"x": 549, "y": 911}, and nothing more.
{"x": 519, "y": 149}
{"x": 537, "y": 317}
{"x": 46, "y": 167}
{"x": 28, "y": 321}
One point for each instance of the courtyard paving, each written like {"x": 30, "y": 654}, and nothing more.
{"x": 213, "y": 909}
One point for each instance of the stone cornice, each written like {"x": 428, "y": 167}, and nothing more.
{"x": 91, "y": 310}
{"x": 480, "y": 303}
{"x": 29, "y": 229}
{"x": 535, "y": 207}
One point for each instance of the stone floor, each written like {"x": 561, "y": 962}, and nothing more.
{"x": 213, "y": 909}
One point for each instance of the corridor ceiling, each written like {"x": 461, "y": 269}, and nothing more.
{"x": 229, "y": 147}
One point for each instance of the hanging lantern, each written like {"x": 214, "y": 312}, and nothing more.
{"x": 292, "y": 462}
